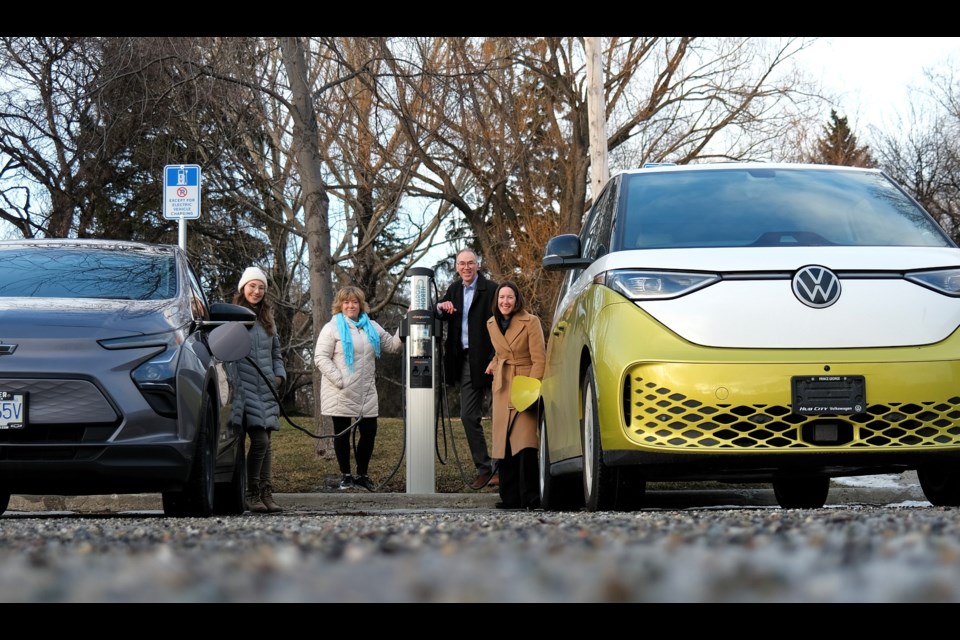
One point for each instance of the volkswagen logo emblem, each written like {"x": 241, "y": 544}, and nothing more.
{"x": 816, "y": 286}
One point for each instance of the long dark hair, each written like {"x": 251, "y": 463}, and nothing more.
{"x": 517, "y": 308}
{"x": 263, "y": 310}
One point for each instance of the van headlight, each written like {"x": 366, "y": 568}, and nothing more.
{"x": 945, "y": 281}
{"x": 638, "y": 284}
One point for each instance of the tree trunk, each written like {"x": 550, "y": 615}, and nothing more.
{"x": 316, "y": 201}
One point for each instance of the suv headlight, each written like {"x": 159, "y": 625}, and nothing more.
{"x": 655, "y": 285}
{"x": 156, "y": 377}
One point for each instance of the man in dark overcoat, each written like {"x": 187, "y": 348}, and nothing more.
{"x": 465, "y": 308}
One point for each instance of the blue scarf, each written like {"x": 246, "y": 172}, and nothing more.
{"x": 363, "y": 323}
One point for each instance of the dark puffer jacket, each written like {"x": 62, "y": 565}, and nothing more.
{"x": 258, "y": 403}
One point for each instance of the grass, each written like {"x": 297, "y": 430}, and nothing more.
{"x": 298, "y": 468}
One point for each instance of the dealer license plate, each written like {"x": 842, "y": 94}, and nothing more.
{"x": 818, "y": 395}
{"x": 13, "y": 410}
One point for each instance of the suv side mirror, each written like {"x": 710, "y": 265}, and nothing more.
{"x": 230, "y": 342}
{"x": 227, "y": 312}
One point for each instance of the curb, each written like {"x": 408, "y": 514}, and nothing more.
{"x": 354, "y": 502}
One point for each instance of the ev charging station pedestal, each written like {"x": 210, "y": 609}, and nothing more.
{"x": 420, "y": 368}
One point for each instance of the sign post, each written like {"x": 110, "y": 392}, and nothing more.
{"x": 181, "y": 195}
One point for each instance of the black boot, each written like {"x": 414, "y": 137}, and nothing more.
{"x": 254, "y": 501}
{"x": 266, "y": 496}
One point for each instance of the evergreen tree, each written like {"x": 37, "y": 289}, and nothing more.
{"x": 838, "y": 145}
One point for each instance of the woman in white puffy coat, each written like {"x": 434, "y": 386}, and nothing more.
{"x": 346, "y": 354}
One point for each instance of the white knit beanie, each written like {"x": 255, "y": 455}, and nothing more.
{"x": 251, "y": 273}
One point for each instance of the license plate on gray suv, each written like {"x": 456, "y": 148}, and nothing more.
{"x": 13, "y": 412}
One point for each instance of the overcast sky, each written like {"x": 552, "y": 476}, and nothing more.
{"x": 872, "y": 76}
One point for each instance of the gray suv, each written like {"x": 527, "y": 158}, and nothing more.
{"x": 108, "y": 380}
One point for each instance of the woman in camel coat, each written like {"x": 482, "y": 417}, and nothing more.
{"x": 519, "y": 347}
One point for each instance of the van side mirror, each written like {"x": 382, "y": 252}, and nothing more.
{"x": 563, "y": 252}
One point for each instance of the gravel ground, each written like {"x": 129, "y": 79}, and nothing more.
{"x": 901, "y": 553}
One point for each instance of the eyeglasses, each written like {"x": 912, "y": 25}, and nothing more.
{"x": 467, "y": 264}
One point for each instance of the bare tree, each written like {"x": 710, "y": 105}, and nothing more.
{"x": 508, "y": 141}
{"x": 371, "y": 165}
{"x": 921, "y": 150}
{"x": 46, "y": 100}
{"x": 306, "y": 150}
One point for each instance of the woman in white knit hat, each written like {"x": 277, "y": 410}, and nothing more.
{"x": 261, "y": 413}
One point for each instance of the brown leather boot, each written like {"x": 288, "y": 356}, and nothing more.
{"x": 266, "y": 496}
{"x": 254, "y": 501}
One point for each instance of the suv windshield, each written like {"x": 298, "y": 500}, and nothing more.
{"x": 768, "y": 207}
{"x": 56, "y": 272}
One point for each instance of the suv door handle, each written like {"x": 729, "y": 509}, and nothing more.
{"x": 560, "y": 328}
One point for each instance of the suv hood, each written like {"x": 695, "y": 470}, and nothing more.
{"x": 95, "y": 319}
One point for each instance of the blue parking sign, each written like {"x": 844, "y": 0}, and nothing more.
{"x": 181, "y": 191}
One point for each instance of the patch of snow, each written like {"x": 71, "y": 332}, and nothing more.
{"x": 888, "y": 481}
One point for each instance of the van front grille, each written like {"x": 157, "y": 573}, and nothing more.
{"x": 661, "y": 417}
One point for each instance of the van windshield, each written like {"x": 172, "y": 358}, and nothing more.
{"x": 771, "y": 207}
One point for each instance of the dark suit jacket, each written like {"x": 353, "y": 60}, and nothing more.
{"x": 481, "y": 351}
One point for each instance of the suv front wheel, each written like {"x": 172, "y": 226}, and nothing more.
{"x": 196, "y": 498}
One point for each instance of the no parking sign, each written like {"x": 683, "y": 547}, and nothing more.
{"x": 181, "y": 192}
